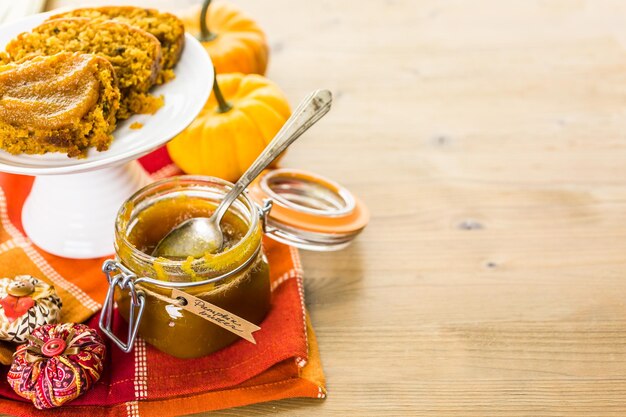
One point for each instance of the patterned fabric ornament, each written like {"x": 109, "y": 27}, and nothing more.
{"x": 59, "y": 363}
{"x": 25, "y": 304}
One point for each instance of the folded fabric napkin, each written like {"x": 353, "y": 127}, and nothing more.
{"x": 284, "y": 363}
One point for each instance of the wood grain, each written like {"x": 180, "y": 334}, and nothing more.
{"x": 489, "y": 141}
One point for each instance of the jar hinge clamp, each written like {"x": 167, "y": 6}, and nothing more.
{"x": 264, "y": 213}
{"x": 120, "y": 276}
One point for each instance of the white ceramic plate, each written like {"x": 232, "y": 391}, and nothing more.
{"x": 184, "y": 98}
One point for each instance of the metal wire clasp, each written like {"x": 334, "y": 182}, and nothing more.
{"x": 120, "y": 276}
{"x": 264, "y": 213}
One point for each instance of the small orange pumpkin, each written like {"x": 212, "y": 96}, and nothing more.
{"x": 241, "y": 117}
{"x": 234, "y": 41}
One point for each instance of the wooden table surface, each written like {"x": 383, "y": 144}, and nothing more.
{"x": 489, "y": 141}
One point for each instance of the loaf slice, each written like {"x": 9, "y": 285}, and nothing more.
{"x": 166, "y": 27}
{"x": 134, "y": 54}
{"x": 60, "y": 103}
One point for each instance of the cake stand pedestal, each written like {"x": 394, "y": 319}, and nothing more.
{"x": 73, "y": 215}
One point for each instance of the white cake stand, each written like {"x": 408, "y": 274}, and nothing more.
{"x": 71, "y": 209}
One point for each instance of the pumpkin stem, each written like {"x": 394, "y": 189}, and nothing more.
{"x": 205, "y": 33}
{"x": 223, "y": 105}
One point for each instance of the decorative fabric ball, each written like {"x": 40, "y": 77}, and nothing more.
{"x": 59, "y": 363}
{"x": 25, "y": 304}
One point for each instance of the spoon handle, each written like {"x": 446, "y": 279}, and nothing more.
{"x": 308, "y": 112}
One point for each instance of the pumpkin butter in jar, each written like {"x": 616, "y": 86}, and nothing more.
{"x": 236, "y": 279}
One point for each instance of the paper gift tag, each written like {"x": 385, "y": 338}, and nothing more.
{"x": 217, "y": 315}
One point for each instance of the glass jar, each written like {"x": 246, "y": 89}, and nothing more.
{"x": 236, "y": 279}
{"x": 311, "y": 212}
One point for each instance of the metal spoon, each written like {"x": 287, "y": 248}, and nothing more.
{"x": 200, "y": 235}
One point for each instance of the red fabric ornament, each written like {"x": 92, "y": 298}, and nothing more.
{"x": 57, "y": 364}
{"x": 15, "y": 307}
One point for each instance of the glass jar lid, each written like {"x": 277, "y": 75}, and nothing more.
{"x": 309, "y": 211}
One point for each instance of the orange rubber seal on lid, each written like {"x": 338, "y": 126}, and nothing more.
{"x": 309, "y": 202}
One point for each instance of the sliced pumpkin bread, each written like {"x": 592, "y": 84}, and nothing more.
{"x": 60, "y": 103}
{"x": 166, "y": 27}
{"x": 134, "y": 54}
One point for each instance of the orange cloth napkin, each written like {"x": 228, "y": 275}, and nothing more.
{"x": 285, "y": 362}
